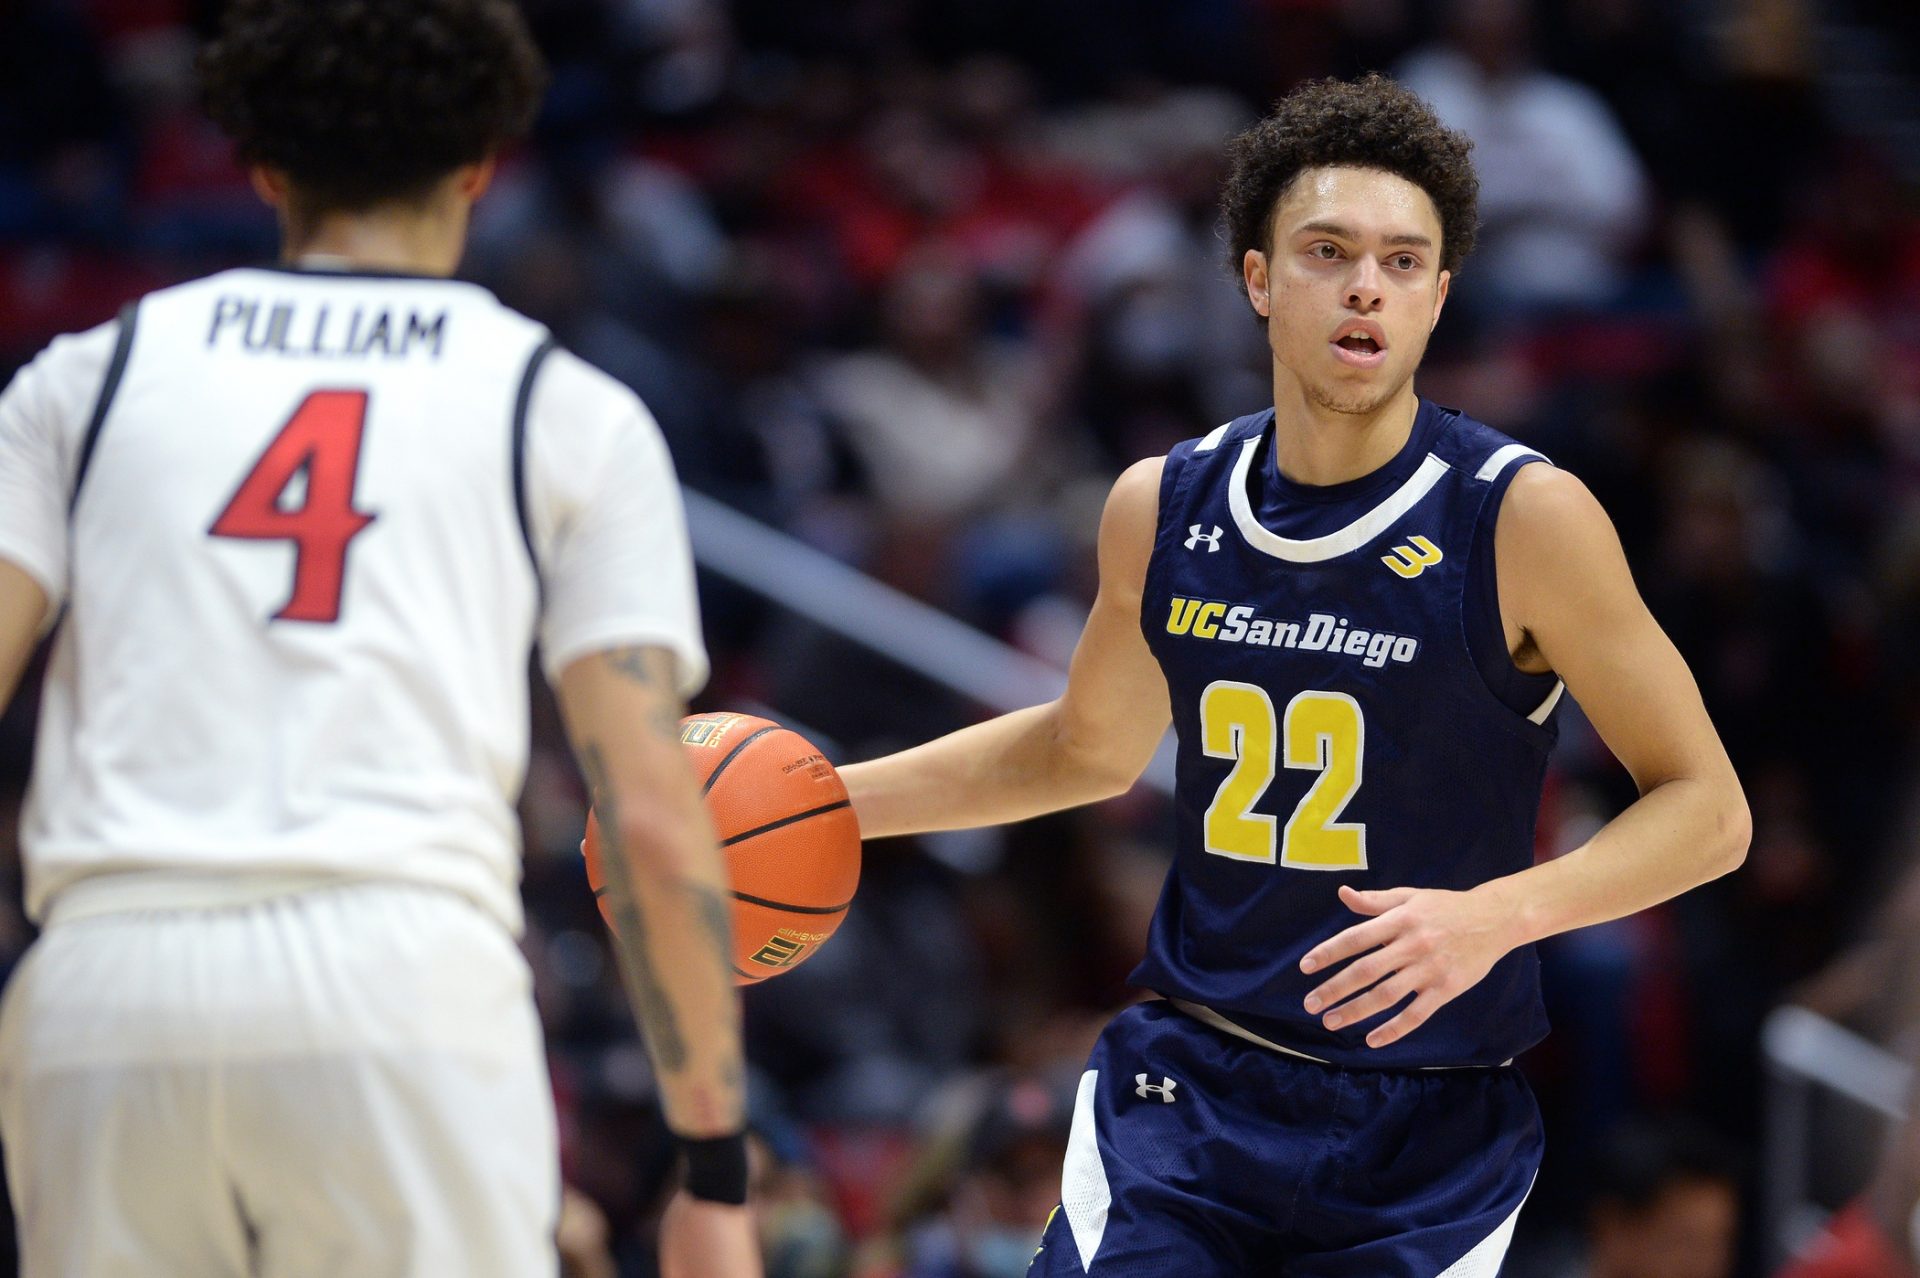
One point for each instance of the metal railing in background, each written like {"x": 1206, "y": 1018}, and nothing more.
{"x": 1805, "y": 1053}
{"x": 874, "y": 615}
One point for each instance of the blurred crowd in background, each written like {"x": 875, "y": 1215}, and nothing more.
{"x": 912, "y": 280}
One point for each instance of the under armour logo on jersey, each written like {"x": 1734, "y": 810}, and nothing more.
{"x": 1212, "y": 539}
{"x": 1411, "y": 561}
{"x": 1163, "y": 1089}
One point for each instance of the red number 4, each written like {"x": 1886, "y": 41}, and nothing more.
{"x": 322, "y": 441}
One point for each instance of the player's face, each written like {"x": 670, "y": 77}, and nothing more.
{"x": 1352, "y": 287}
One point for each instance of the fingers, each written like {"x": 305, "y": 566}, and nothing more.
{"x": 1374, "y": 902}
{"x": 1375, "y": 1001}
{"x": 1353, "y": 978}
{"x": 1412, "y": 954}
{"x": 1412, "y": 1018}
{"x": 1357, "y": 939}
{"x": 1361, "y": 937}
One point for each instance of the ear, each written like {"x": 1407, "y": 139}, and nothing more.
{"x": 270, "y": 185}
{"x": 1253, "y": 271}
{"x": 472, "y": 180}
{"x": 1440, "y": 299}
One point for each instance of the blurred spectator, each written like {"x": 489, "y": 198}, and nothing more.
{"x": 1563, "y": 198}
{"x": 1663, "y": 1202}
{"x": 943, "y": 416}
{"x": 583, "y": 1238}
{"x": 1873, "y": 988}
{"x": 1168, "y": 338}
{"x": 64, "y": 137}
{"x": 800, "y": 1235}
{"x": 1851, "y": 1245}
{"x": 1843, "y": 293}
{"x": 988, "y": 1178}
{"x": 189, "y": 204}
{"x": 947, "y": 423}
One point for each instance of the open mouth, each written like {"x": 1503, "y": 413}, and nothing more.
{"x": 1359, "y": 350}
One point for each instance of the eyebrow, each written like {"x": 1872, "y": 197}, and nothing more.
{"x": 1334, "y": 228}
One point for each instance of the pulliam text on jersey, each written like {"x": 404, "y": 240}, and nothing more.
{"x": 325, "y": 330}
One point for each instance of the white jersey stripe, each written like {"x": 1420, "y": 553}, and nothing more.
{"x": 1085, "y": 1195}
{"x": 1545, "y": 708}
{"x": 1484, "y": 1260}
{"x": 1504, "y": 455}
{"x": 1318, "y": 549}
{"x": 1213, "y": 438}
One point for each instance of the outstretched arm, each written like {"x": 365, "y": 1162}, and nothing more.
{"x": 1565, "y": 584}
{"x": 1091, "y": 743}
{"x": 23, "y": 607}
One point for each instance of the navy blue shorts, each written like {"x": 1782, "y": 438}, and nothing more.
{"x": 1195, "y": 1153}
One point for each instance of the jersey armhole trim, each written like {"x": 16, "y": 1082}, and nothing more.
{"x": 109, "y": 387}
{"x": 1503, "y": 456}
{"x": 522, "y": 400}
{"x": 1498, "y": 472}
{"x": 1212, "y": 438}
{"x": 1176, "y": 477}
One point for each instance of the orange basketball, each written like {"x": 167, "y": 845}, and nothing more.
{"x": 788, "y": 832}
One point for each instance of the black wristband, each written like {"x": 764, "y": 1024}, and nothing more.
{"x": 717, "y": 1168}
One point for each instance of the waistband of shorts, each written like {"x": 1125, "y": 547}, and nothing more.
{"x": 1207, "y": 1016}
{"x": 134, "y": 891}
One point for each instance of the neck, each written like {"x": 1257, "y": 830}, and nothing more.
{"x": 1313, "y": 444}
{"x": 425, "y": 242}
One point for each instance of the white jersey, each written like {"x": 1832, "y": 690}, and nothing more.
{"x": 306, "y": 527}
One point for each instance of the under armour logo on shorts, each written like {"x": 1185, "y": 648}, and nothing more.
{"x": 1164, "y": 1088}
{"x": 1212, "y": 539}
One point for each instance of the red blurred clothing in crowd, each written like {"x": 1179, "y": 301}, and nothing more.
{"x": 1850, "y": 1246}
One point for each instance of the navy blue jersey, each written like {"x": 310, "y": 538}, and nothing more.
{"x": 1346, "y": 713}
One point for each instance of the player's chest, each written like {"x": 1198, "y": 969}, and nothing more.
{"x": 1371, "y": 614}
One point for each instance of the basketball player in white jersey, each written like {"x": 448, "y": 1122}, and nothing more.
{"x": 297, "y": 530}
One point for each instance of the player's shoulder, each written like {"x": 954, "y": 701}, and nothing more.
{"x": 1143, "y": 489}
{"x": 1550, "y": 504}
{"x": 567, "y": 378}
{"x": 86, "y": 352}
{"x": 61, "y": 382}
{"x": 1132, "y": 510}
{"x": 1203, "y": 459}
{"x": 1222, "y": 438}
{"x": 1478, "y": 452}
{"x": 1535, "y": 495}
{"x": 571, "y": 392}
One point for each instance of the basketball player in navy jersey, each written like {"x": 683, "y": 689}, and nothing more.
{"x": 1359, "y": 610}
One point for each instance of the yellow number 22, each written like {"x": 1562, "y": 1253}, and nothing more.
{"x": 1325, "y": 733}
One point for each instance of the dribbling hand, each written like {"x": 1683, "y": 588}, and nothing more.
{"x": 1429, "y": 943}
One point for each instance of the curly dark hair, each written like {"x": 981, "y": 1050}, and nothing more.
{"x": 1369, "y": 123}
{"x": 361, "y": 102}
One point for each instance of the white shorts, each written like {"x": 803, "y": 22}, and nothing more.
{"x": 346, "y": 1081}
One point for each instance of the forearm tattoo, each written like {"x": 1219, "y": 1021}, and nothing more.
{"x": 651, "y": 1004}
{"x": 652, "y": 668}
